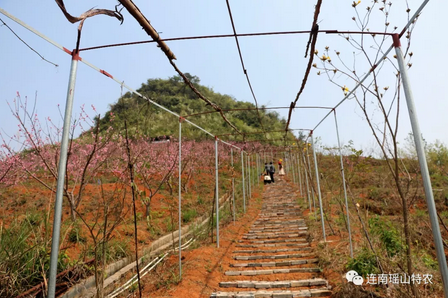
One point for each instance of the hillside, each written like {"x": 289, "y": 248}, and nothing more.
{"x": 150, "y": 121}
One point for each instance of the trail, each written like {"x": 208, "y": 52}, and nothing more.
{"x": 274, "y": 259}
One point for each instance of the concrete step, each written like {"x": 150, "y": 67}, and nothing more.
{"x": 264, "y": 257}
{"x": 267, "y": 241}
{"x": 277, "y": 264}
{"x": 274, "y": 294}
{"x": 273, "y": 222}
{"x": 274, "y": 284}
{"x": 271, "y": 271}
{"x": 273, "y": 245}
{"x": 275, "y": 235}
{"x": 273, "y": 250}
{"x": 277, "y": 228}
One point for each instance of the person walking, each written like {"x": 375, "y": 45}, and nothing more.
{"x": 266, "y": 174}
{"x": 271, "y": 172}
{"x": 281, "y": 171}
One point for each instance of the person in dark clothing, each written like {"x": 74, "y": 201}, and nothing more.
{"x": 266, "y": 173}
{"x": 271, "y": 171}
{"x": 266, "y": 168}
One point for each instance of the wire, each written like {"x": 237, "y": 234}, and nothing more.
{"x": 4, "y": 24}
{"x": 406, "y": 27}
{"x": 193, "y": 88}
{"x": 262, "y": 108}
{"x": 151, "y": 31}
{"x": 312, "y": 41}
{"x": 229, "y": 35}
{"x": 242, "y": 64}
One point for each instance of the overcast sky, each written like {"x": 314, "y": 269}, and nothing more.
{"x": 275, "y": 64}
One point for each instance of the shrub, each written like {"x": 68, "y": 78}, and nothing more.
{"x": 429, "y": 262}
{"x": 365, "y": 263}
{"x": 188, "y": 215}
{"x": 74, "y": 236}
{"x": 388, "y": 235}
{"x": 24, "y": 256}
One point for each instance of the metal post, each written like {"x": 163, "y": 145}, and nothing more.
{"x": 248, "y": 170}
{"x": 257, "y": 172}
{"x": 318, "y": 189}
{"x": 307, "y": 184}
{"x": 296, "y": 172}
{"x": 180, "y": 197}
{"x": 300, "y": 175}
{"x": 285, "y": 164}
{"x": 242, "y": 179}
{"x": 345, "y": 187}
{"x": 292, "y": 170}
{"x": 61, "y": 177}
{"x": 216, "y": 192}
{"x": 247, "y": 175}
{"x": 233, "y": 185}
{"x": 423, "y": 166}
{"x": 311, "y": 180}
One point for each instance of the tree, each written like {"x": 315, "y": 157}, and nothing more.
{"x": 38, "y": 155}
{"x": 380, "y": 107}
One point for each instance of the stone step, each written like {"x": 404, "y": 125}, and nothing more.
{"x": 274, "y": 284}
{"x": 280, "y": 208}
{"x": 273, "y": 294}
{"x": 277, "y": 227}
{"x": 277, "y": 264}
{"x": 273, "y": 245}
{"x": 274, "y": 228}
{"x": 279, "y": 212}
{"x": 282, "y": 256}
{"x": 269, "y": 217}
{"x": 277, "y": 231}
{"x": 275, "y": 235}
{"x": 272, "y": 250}
{"x": 271, "y": 271}
{"x": 267, "y": 241}
{"x": 268, "y": 222}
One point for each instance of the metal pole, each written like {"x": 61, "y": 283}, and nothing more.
{"x": 307, "y": 185}
{"x": 292, "y": 170}
{"x": 242, "y": 179}
{"x": 310, "y": 177}
{"x": 345, "y": 187}
{"x": 258, "y": 169}
{"x": 318, "y": 189}
{"x": 216, "y": 192}
{"x": 248, "y": 169}
{"x": 233, "y": 185}
{"x": 423, "y": 166}
{"x": 61, "y": 177}
{"x": 180, "y": 197}
{"x": 300, "y": 175}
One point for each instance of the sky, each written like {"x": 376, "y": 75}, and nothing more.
{"x": 275, "y": 64}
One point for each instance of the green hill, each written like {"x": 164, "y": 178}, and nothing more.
{"x": 148, "y": 120}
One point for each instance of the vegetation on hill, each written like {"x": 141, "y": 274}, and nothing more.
{"x": 149, "y": 120}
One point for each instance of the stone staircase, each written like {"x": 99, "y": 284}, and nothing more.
{"x": 274, "y": 259}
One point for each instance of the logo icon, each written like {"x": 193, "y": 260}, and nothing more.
{"x": 354, "y": 277}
